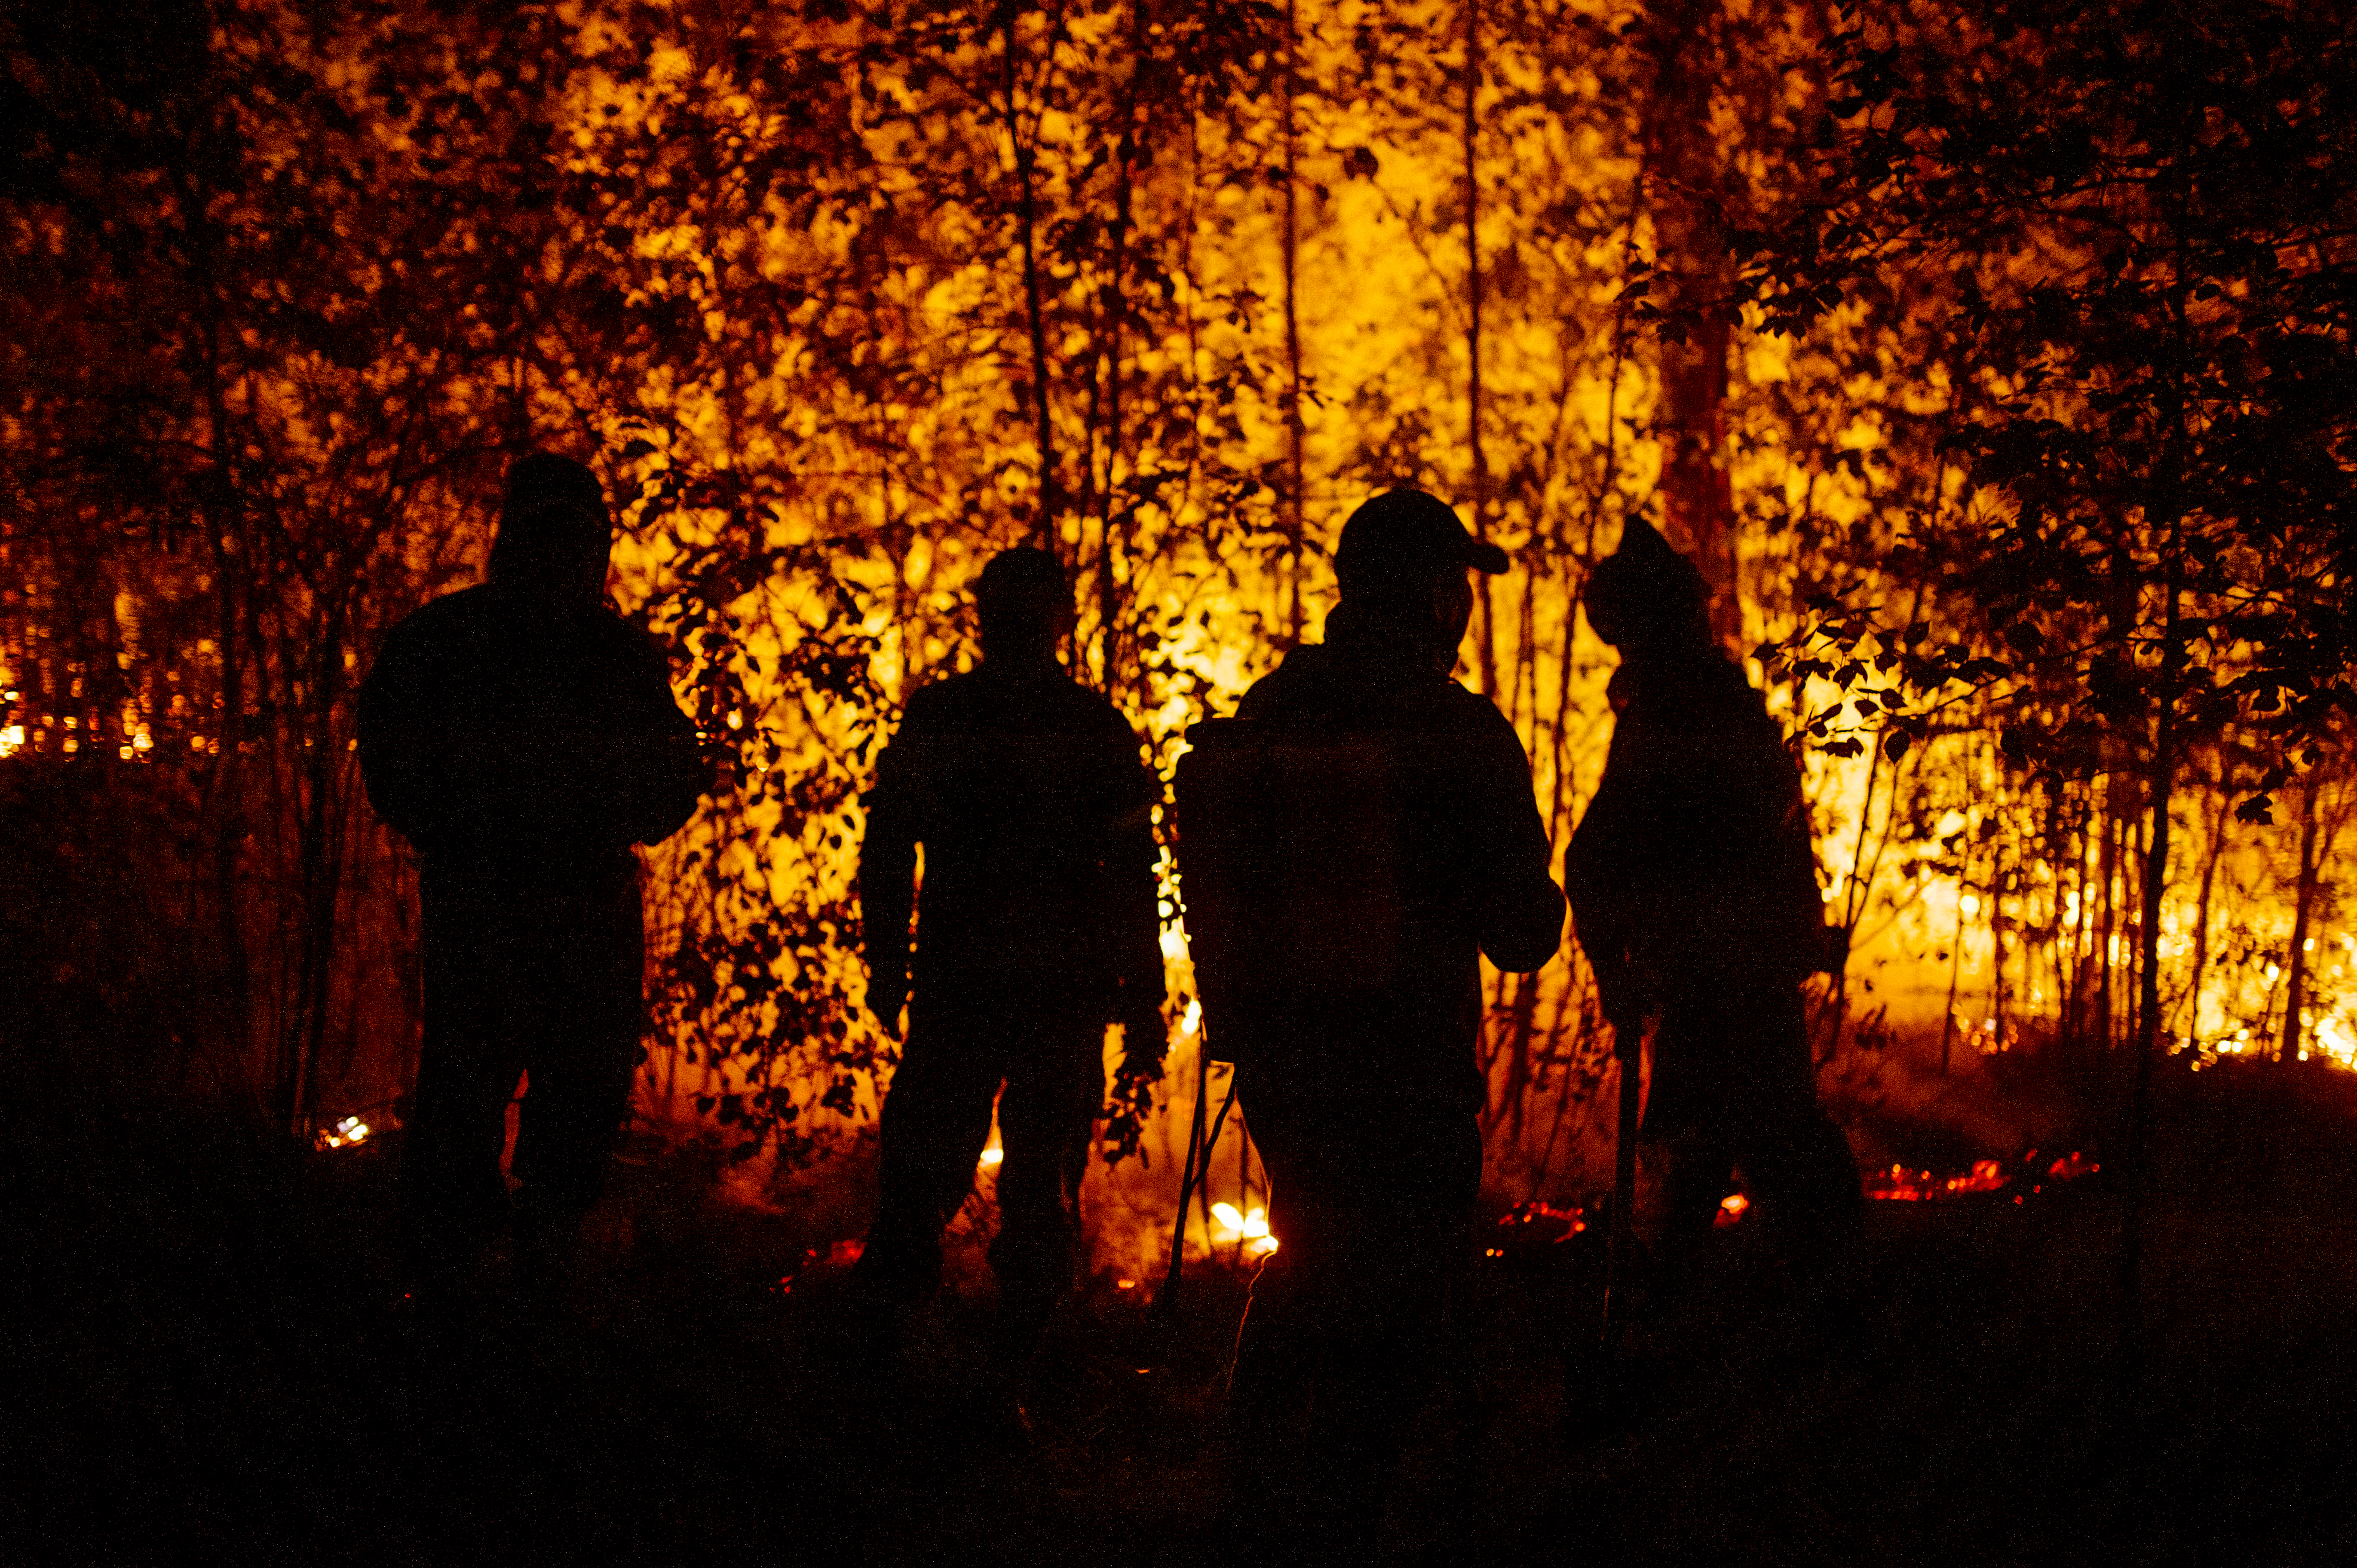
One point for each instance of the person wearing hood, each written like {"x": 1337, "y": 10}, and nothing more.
{"x": 522, "y": 737}
{"x": 1404, "y": 844}
{"x": 1693, "y": 891}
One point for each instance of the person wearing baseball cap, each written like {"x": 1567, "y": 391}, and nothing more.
{"x": 1401, "y": 843}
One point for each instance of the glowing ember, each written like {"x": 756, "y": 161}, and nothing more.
{"x": 1731, "y": 1208}
{"x": 1900, "y": 1185}
{"x": 1529, "y": 1228}
{"x": 1565, "y": 1222}
{"x": 1987, "y": 1175}
{"x": 351, "y": 1130}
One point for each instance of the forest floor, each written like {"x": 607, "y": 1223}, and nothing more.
{"x": 204, "y": 1368}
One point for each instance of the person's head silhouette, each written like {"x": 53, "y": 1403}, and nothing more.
{"x": 554, "y": 531}
{"x": 1645, "y": 599}
{"x": 1401, "y": 565}
{"x": 1025, "y": 605}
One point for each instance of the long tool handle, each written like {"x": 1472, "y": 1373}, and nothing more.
{"x": 1167, "y": 1302}
{"x": 1628, "y": 1047}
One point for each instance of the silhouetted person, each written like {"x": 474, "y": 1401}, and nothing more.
{"x": 1036, "y": 928}
{"x": 522, "y": 737}
{"x": 1694, "y": 889}
{"x": 1383, "y": 837}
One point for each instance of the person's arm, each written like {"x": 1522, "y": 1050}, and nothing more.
{"x": 397, "y": 759}
{"x": 665, "y": 765}
{"x": 1138, "y": 927}
{"x": 888, "y": 869}
{"x": 1609, "y": 872}
{"x": 1520, "y": 908}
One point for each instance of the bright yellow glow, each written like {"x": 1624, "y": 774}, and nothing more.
{"x": 351, "y": 1130}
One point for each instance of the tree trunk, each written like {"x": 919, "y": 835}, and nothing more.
{"x": 1295, "y": 531}
{"x": 1485, "y": 667}
{"x": 1114, "y": 305}
{"x": 2212, "y": 851}
{"x": 1955, "y": 972}
{"x": 2106, "y": 874}
{"x": 1997, "y": 949}
{"x": 1698, "y": 328}
{"x": 1043, "y": 526}
{"x": 2163, "y": 778}
{"x": 2289, "y": 1040}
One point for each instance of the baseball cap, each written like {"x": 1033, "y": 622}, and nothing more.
{"x": 1404, "y": 534}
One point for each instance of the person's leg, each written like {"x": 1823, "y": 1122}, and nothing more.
{"x": 584, "y": 1005}
{"x": 935, "y": 1120}
{"x": 1795, "y": 1160}
{"x": 1283, "y": 1344}
{"x": 453, "y": 1198}
{"x": 1055, "y": 1088}
{"x": 1370, "y": 1203}
{"x": 1402, "y": 1241}
{"x": 1686, "y": 1134}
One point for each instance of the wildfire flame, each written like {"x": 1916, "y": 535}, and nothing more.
{"x": 1249, "y": 1226}
{"x": 351, "y": 1130}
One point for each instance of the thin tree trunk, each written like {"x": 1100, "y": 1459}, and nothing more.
{"x": 2140, "y": 863}
{"x": 2213, "y": 853}
{"x": 1295, "y": 531}
{"x": 1692, "y": 226}
{"x": 1114, "y": 303}
{"x": 1852, "y": 904}
{"x": 2139, "y": 1140}
{"x": 1484, "y": 609}
{"x": 1043, "y": 526}
{"x": 318, "y": 859}
{"x": 2107, "y": 872}
{"x": 2290, "y": 1039}
{"x": 1997, "y": 948}
{"x": 1955, "y": 974}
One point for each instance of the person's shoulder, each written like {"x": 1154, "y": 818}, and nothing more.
{"x": 1456, "y": 701}
{"x": 625, "y": 637}
{"x": 451, "y": 620}
{"x": 1086, "y": 703}
{"x": 1299, "y": 677}
{"x": 460, "y": 606}
{"x": 944, "y": 695}
{"x": 1472, "y": 722}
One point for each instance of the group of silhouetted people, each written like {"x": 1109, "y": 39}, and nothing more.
{"x": 1352, "y": 844}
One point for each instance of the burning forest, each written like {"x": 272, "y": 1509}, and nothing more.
{"x": 1993, "y": 365}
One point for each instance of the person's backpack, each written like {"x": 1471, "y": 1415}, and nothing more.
{"x": 1289, "y": 851}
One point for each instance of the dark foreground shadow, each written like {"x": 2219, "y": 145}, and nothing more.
{"x": 204, "y": 1368}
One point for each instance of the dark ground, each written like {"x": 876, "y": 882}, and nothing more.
{"x": 203, "y": 1369}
